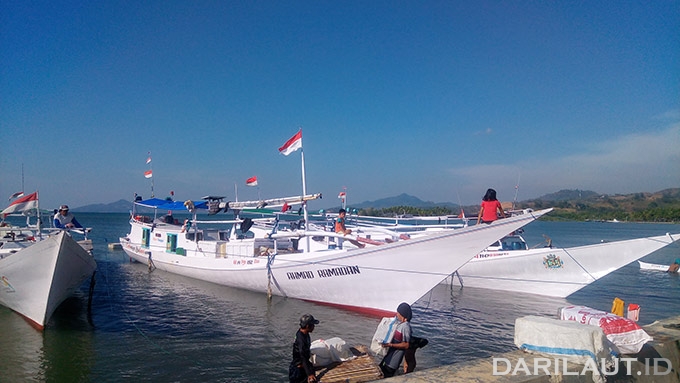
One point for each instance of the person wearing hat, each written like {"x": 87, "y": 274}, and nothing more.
{"x": 301, "y": 368}
{"x": 674, "y": 267}
{"x": 65, "y": 220}
{"x": 400, "y": 341}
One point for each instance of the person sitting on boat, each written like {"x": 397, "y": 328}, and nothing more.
{"x": 674, "y": 267}
{"x": 490, "y": 206}
{"x": 168, "y": 218}
{"x": 301, "y": 368}
{"x": 340, "y": 223}
{"x": 65, "y": 220}
{"x": 186, "y": 226}
{"x": 401, "y": 342}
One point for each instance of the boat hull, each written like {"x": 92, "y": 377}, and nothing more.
{"x": 38, "y": 278}
{"x": 373, "y": 280}
{"x": 653, "y": 266}
{"x": 556, "y": 272}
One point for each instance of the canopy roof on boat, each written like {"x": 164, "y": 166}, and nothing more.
{"x": 157, "y": 203}
{"x": 214, "y": 204}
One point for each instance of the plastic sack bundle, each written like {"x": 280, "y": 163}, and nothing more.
{"x": 383, "y": 334}
{"x": 624, "y": 333}
{"x": 329, "y": 351}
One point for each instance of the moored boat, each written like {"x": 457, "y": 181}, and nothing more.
{"x": 653, "y": 266}
{"x": 511, "y": 265}
{"x": 40, "y": 268}
{"x": 373, "y": 279}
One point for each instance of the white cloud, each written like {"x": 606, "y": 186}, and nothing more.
{"x": 642, "y": 162}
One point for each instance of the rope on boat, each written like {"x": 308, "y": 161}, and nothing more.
{"x": 579, "y": 265}
{"x": 270, "y": 260}
{"x": 460, "y": 279}
{"x": 152, "y": 266}
{"x": 91, "y": 293}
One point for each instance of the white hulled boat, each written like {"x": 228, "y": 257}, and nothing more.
{"x": 39, "y": 268}
{"x": 511, "y": 265}
{"x": 290, "y": 263}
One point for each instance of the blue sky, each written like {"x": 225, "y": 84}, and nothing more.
{"x": 437, "y": 99}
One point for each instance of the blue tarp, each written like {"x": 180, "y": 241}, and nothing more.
{"x": 162, "y": 204}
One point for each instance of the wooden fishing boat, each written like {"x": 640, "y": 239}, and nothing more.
{"x": 373, "y": 279}
{"x": 40, "y": 268}
{"x": 512, "y": 266}
{"x": 652, "y": 266}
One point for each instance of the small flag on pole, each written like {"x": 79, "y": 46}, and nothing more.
{"x": 293, "y": 144}
{"x": 148, "y": 174}
{"x": 16, "y": 195}
{"x": 22, "y": 204}
{"x": 342, "y": 195}
{"x": 252, "y": 181}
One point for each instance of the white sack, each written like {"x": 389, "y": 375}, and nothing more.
{"x": 383, "y": 334}
{"x": 326, "y": 352}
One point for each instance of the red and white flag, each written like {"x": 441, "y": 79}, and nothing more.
{"x": 26, "y": 202}
{"x": 252, "y": 181}
{"x": 148, "y": 159}
{"x": 16, "y": 195}
{"x": 148, "y": 174}
{"x": 292, "y": 145}
{"x": 342, "y": 195}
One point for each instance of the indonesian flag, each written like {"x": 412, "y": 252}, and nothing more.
{"x": 148, "y": 174}
{"x": 16, "y": 195}
{"x": 292, "y": 145}
{"x": 21, "y": 204}
{"x": 148, "y": 159}
{"x": 252, "y": 181}
{"x": 342, "y": 195}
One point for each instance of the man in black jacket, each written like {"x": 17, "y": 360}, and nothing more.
{"x": 301, "y": 369}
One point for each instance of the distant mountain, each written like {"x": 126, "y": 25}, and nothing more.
{"x": 567, "y": 195}
{"x": 400, "y": 200}
{"x": 559, "y": 199}
{"x": 120, "y": 206}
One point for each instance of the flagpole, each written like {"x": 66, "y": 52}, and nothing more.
{"x": 304, "y": 193}
{"x": 37, "y": 199}
{"x": 151, "y": 168}
{"x": 236, "y": 191}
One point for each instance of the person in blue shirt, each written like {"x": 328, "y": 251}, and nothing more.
{"x": 65, "y": 220}
{"x": 340, "y": 223}
{"x": 400, "y": 341}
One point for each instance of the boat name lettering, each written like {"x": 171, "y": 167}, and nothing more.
{"x": 325, "y": 273}
{"x": 338, "y": 271}
{"x": 300, "y": 275}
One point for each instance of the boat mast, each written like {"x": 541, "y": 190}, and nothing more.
{"x": 514, "y": 201}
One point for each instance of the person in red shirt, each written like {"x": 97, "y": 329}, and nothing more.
{"x": 490, "y": 206}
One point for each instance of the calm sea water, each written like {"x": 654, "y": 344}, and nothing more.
{"x": 158, "y": 327}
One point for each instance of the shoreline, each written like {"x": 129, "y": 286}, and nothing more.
{"x": 665, "y": 346}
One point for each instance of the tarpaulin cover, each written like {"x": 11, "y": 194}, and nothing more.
{"x": 573, "y": 341}
{"x": 162, "y": 204}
